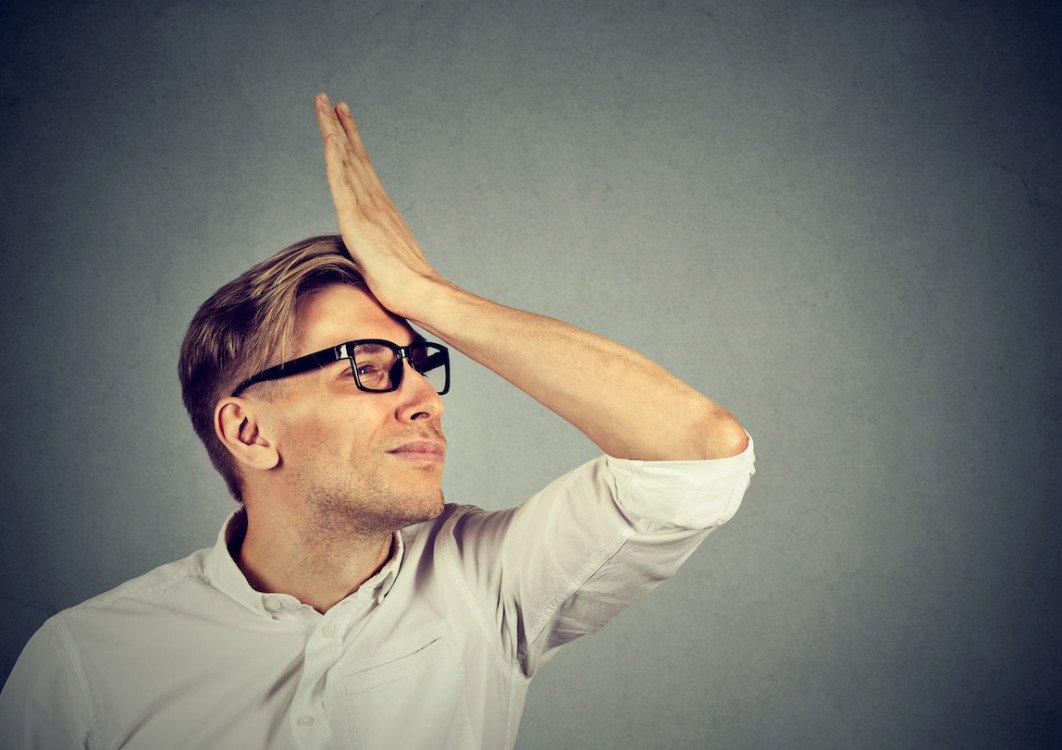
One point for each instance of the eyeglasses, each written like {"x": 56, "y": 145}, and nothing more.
{"x": 375, "y": 363}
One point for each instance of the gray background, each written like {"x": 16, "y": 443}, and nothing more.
{"x": 839, "y": 220}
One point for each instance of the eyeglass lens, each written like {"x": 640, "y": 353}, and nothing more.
{"x": 375, "y": 365}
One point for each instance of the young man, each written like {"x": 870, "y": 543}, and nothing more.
{"x": 345, "y": 603}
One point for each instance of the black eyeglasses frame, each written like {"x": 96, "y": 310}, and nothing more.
{"x": 345, "y": 350}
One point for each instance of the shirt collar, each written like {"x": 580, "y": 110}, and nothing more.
{"x": 226, "y": 575}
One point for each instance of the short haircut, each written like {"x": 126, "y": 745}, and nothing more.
{"x": 249, "y": 324}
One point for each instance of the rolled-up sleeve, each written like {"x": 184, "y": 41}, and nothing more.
{"x": 685, "y": 494}
{"x": 591, "y": 543}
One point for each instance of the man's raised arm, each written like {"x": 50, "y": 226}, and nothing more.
{"x": 628, "y": 405}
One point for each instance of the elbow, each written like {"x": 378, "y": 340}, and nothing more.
{"x": 724, "y": 437}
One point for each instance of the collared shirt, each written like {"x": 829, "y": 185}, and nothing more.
{"x": 436, "y": 650}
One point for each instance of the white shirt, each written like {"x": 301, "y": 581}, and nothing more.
{"x": 434, "y": 651}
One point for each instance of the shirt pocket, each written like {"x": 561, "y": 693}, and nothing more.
{"x": 409, "y": 694}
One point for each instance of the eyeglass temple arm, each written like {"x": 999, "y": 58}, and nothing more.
{"x": 294, "y": 367}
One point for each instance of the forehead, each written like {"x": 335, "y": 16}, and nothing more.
{"x": 341, "y": 312}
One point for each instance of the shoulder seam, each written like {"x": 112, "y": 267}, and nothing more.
{"x": 110, "y": 596}
{"x": 62, "y": 634}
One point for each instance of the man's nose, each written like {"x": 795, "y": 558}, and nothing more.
{"x": 421, "y": 398}
{"x": 409, "y": 371}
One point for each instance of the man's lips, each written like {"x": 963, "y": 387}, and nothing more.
{"x": 421, "y": 446}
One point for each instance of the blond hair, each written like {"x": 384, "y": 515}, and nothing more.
{"x": 248, "y": 324}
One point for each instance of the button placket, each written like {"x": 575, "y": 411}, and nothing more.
{"x": 321, "y": 653}
{"x": 326, "y": 636}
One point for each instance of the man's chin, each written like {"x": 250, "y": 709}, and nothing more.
{"x": 436, "y": 506}
{"x": 427, "y": 510}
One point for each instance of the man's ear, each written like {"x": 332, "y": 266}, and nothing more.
{"x": 238, "y": 425}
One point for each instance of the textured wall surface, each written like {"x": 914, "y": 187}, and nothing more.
{"x": 839, "y": 220}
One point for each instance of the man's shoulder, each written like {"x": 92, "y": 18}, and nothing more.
{"x": 142, "y": 589}
{"x": 64, "y": 634}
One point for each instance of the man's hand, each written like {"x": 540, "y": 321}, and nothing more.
{"x": 376, "y": 236}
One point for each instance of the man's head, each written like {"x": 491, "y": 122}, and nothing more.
{"x": 314, "y": 436}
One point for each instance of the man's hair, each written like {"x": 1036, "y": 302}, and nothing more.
{"x": 248, "y": 324}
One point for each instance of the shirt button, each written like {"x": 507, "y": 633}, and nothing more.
{"x": 272, "y": 605}
{"x": 305, "y": 720}
{"x": 327, "y": 630}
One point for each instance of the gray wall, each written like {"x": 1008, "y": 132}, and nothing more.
{"x": 839, "y": 220}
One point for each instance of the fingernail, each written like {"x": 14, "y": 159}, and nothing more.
{"x": 344, "y": 108}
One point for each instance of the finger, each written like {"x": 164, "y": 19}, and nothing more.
{"x": 348, "y": 192}
{"x": 343, "y": 169}
{"x": 326, "y": 114}
{"x": 349, "y": 214}
{"x": 326, "y": 119}
{"x": 330, "y": 125}
{"x": 350, "y": 128}
{"x": 361, "y": 177}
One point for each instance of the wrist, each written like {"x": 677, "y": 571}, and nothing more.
{"x": 434, "y": 301}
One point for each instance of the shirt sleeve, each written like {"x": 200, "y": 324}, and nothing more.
{"x": 592, "y": 542}
{"x": 43, "y": 703}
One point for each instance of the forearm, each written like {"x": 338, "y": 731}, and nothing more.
{"x": 628, "y": 405}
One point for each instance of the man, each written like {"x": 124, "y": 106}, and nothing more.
{"x": 345, "y": 603}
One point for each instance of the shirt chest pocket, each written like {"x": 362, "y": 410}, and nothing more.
{"x": 411, "y": 693}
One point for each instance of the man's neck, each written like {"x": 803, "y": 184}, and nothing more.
{"x": 282, "y": 553}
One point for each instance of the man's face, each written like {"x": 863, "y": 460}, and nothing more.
{"x": 333, "y": 437}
